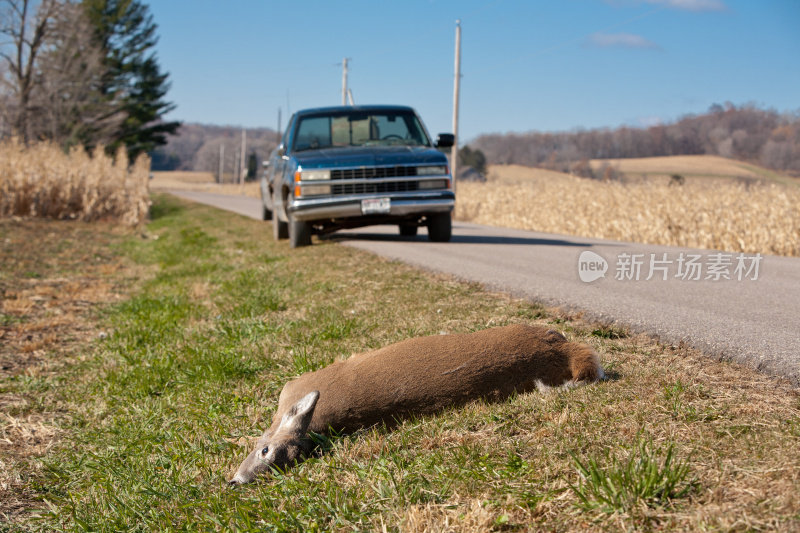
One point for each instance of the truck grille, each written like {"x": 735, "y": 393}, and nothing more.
{"x": 382, "y": 187}
{"x": 373, "y": 172}
{"x": 374, "y": 188}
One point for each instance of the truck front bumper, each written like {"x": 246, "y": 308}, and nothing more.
{"x": 342, "y": 207}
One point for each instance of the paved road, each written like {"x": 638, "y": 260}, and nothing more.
{"x": 754, "y": 320}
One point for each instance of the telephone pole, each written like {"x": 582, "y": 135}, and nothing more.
{"x": 242, "y": 163}
{"x": 279, "y": 125}
{"x": 456, "y": 90}
{"x": 344, "y": 80}
{"x": 220, "y": 179}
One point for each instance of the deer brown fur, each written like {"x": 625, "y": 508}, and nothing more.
{"x": 416, "y": 377}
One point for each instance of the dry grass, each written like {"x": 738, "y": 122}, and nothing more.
{"x": 465, "y": 517}
{"x": 54, "y": 275}
{"x": 203, "y": 182}
{"x": 716, "y": 214}
{"x": 42, "y": 181}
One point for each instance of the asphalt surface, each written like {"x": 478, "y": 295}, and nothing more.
{"x": 752, "y": 318}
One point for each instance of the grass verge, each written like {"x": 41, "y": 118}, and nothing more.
{"x": 149, "y": 421}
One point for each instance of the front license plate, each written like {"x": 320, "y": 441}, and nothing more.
{"x": 376, "y": 206}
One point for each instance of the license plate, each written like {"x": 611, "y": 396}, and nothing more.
{"x": 376, "y": 206}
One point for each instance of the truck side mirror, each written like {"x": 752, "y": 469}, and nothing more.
{"x": 445, "y": 140}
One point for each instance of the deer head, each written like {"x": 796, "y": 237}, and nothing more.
{"x": 282, "y": 446}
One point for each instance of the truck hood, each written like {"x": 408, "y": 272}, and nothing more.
{"x": 369, "y": 156}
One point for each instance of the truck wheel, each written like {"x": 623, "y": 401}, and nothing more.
{"x": 299, "y": 233}
{"x": 266, "y": 213}
{"x": 440, "y": 227}
{"x": 408, "y": 231}
{"x": 280, "y": 230}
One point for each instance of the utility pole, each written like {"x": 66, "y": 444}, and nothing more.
{"x": 242, "y": 163}
{"x": 350, "y": 96}
{"x": 279, "y": 126}
{"x": 344, "y": 80}
{"x": 456, "y": 90}
{"x": 221, "y": 162}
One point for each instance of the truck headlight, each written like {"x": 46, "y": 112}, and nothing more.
{"x": 433, "y": 170}
{"x": 315, "y": 175}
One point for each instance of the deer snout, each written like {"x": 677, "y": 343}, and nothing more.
{"x": 237, "y": 480}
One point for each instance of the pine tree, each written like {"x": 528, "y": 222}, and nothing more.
{"x": 472, "y": 158}
{"x": 126, "y": 32}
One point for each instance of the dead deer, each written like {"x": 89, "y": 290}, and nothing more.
{"x": 415, "y": 377}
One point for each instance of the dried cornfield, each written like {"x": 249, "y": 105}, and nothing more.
{"x": 41, "y": 180}
{"x": 713, "y": 214}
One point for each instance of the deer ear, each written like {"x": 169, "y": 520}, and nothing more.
{"x": 298, "y": 417}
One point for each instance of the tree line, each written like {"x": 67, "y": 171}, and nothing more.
{"x": 197, "y": 147}
{"x": 744, "y": 132}
{"x": 82, "y": 73}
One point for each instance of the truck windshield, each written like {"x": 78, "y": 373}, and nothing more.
{"x": 359, "y": 128}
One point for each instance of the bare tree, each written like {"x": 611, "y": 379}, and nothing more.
{"x": 70, "y": 69}
{"x": 51, "y": 68}
{"x": 23, "y": 32}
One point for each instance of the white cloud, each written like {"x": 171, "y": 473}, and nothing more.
{"x": 684, "y": 5}
{"x": 691, "y": 5}
{"x": 619, "y": 40}
{"x": 649, "y": 122}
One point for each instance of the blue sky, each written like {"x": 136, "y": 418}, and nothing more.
{"x": 526, "y": 65}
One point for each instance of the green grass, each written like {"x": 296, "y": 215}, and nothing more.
{"x": 152, "y": 420}
{"x": 650, "y": 476}
{"x": 771, "y": 175}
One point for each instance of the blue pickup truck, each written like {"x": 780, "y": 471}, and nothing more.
{"x": 348, "y": 167}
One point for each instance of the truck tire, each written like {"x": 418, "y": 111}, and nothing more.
{"x": 280, "y": 230}
{"x": 299, "y": 233}
{"x": 407, "y": 230}
{"x": 266, "y": 213}
{"x": 440, "y": 227}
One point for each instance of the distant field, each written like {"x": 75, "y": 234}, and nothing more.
{"x": 754, "y": 216}
{"x": 184, "y": 176}
{"x": 690, "y": 166}
{"x": 200, "y": 181}
{"x": 724, "y": 204}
